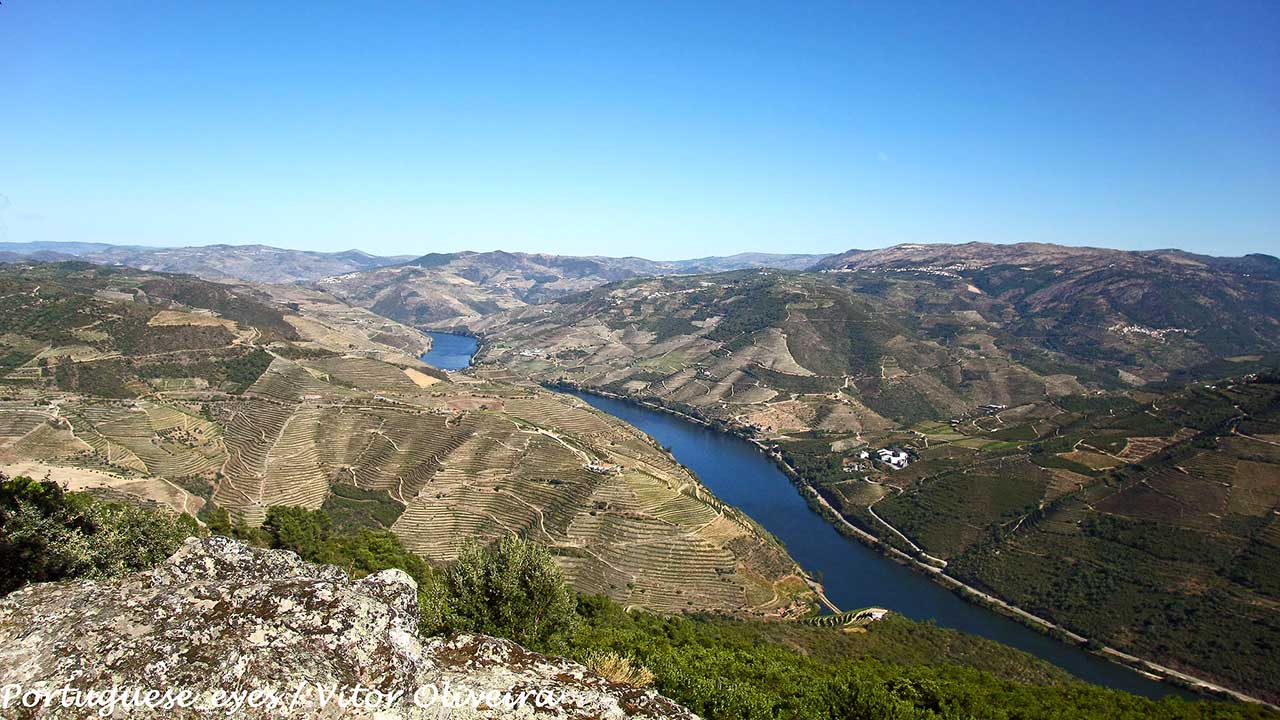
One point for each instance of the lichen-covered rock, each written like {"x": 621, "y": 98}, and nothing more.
{"x": 222, "y": 629}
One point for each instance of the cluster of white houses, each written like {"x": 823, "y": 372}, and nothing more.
{"x": 896, "y": 459}
{"x": 893, "y": 457}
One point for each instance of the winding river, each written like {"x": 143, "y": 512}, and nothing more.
{"x": 854, "y": 575}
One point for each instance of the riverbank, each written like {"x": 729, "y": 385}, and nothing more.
{"x": 1052, "y": 633}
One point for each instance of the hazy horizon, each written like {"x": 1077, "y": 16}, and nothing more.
{"x": 656, "y": 130}
{"x": 729, "y": 253}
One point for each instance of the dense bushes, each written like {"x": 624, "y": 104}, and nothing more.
{"x": 245, "y": 370}
{"x": 722, "y": 668}
{"x": 235, "y": 373}
{"x": 513, "y": 589}
{"x": 310, "y": 534}
{"x": 49, "y": 534}
{"x": 223, "y": 300}
{"x": 298, "y": 529}
{"x": 351, "y": 507}
{"x": 756, "y": 306}
{"x": 105, "y": 378}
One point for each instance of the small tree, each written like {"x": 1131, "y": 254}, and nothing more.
{"x": 514, "y": 590}
{"x": 366, "y": 551}
{"x": 298, "y": 529}
{"x": 218, "y": 522}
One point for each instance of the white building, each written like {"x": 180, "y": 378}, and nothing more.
{"x": 896, "y": 459}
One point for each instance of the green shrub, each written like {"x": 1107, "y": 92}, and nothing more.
{"x": 48, "y": 534}
{"x": 298, "y": 529}
{"x": 367, "y": 551}
{"x": 245, "y": 370}
{"x": 217, "y": 520}
{"x": 513, "y": 590}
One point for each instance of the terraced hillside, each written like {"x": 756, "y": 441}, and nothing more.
{"x": 323, "y": 322}
{"x": 312, "y": 404}
{"x": 1148, "y": 521}
{"x": 1029, "y": 401}
{"x": 849, "y": 352}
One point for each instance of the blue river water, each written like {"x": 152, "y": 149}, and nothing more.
{"x": 854, "y": 575}
{"x": 449, "y": 351}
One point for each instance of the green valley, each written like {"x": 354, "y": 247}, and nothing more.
{"x": 1106, "y": 467}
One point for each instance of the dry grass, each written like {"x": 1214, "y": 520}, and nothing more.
{"x": 420, "y": 378}
{"x": 73, "y": 478}
{"x": 619, "y": 669}
{"x": 1141, "y": 448}
{"x": 782, "y": 416}
{"x": 177, "y": 317}
{"x": 1091, "y": 460}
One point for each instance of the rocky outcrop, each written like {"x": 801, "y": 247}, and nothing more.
{"x": 222, "y": 629}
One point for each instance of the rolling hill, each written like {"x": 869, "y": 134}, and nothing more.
{"x": 902, "y": 338}
{"x": 1061, "y": 448}
{"x": 436, "y": 289}
{"x": 448, "y": 290}
{"x": 196, "y": 394}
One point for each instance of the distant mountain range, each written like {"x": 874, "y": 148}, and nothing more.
{"x": 249, "y": 263}
{"x": 454, "y": 289}
{"x": 976, "y": 254}
{"x": 949, "y": 321}
{"x": 524, "y": 278}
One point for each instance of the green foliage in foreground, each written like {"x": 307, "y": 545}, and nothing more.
{"x": 735, "y": 669}
{"x": 746, "y": 670}
{"x": 718, "y": 667}
{"x": 48, "y": 534}
{"x": 310, "y": 534}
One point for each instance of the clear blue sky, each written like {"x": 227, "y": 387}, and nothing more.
{"x": 658, "y": 129}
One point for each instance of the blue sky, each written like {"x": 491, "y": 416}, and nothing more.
{"x": 659, "y": 129}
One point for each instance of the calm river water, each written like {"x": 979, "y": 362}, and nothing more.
{"x": 854, "y": 575}
{"x": 449, "y": 351}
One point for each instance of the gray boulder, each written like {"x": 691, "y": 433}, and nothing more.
{"x": 222, "y": 629}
